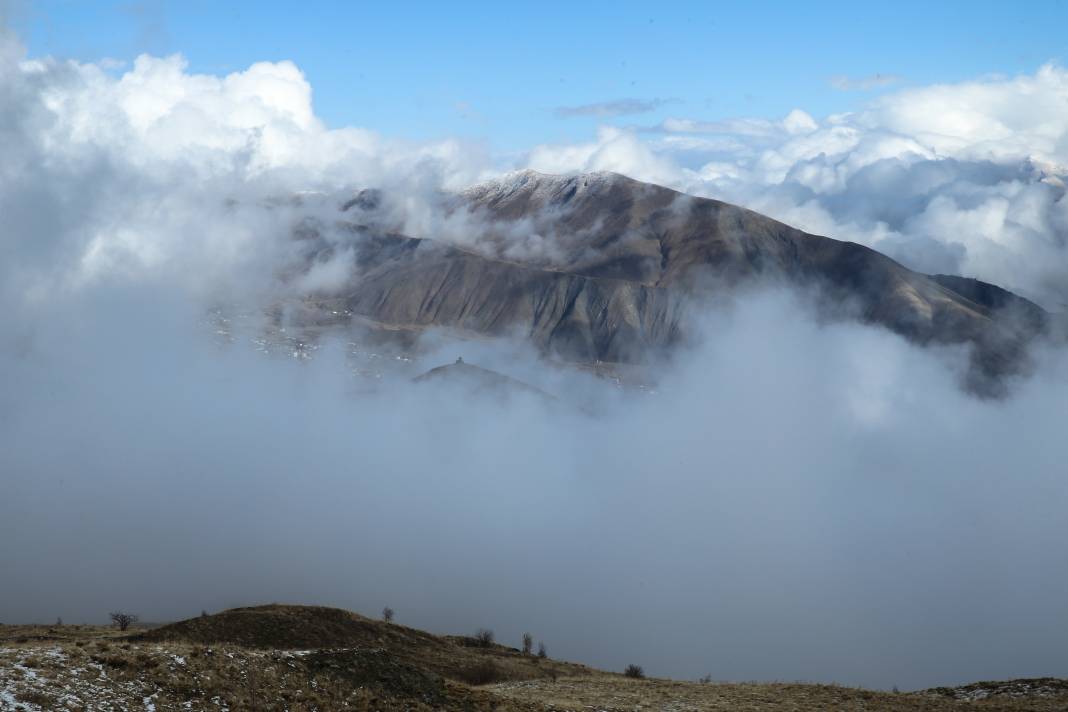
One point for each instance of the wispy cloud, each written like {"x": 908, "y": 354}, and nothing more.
{"x": 875, "y": 81}
{"x": 617, "y": 107}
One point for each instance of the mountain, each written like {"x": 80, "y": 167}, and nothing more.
{"x": 600, "y": 267}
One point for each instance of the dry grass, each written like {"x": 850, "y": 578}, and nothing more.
{"x": 616, "y": 693}
{"x": 359, "y": 664}
{"x": 184, "y": 676}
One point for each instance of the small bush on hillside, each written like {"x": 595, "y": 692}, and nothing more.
{"x": 528, "y": 643}
{"x": 483, "y": 672}
{"x": 36, "y": 697}
{"x": 634, "y": 671}
{"x": 705, "y": 679}
{"x": 484, "y": 637}
{"x": 387, "y": 614}
{"x": 542, "y": 653}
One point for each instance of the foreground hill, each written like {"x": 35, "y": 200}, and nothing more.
{"x": 600, "y": 267}
{"x": 297, "y": 658}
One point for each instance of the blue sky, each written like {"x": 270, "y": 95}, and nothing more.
{"x": 498, "y": 71}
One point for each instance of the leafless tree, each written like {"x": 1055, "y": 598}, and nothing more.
{"x": 542, "y": 653}
{"x": 634, "y": 671}
{"x": 123, "y": 620}
{"x": 387, "y": 614}
{"x": 528, "y": 643}
{"x": 484, "y": 637}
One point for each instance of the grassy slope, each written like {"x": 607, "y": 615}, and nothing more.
{"x": 308, "y": 658}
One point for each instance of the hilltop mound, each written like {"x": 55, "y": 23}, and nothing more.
{"x": 285, "y": 627}
{"x": 291, "y": 627}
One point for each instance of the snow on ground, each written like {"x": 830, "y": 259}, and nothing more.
{"x": 45, "y": 679}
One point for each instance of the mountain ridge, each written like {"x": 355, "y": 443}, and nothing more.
{"x": 601, "y": 267}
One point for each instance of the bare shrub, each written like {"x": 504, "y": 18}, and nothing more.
{"x": 36, "y": 697}
{"x": 634, "y": 671}
{"x": 387, "y": 614}
{"x": 146, "y": 661}
{"x": 528, "y": 643}
{"x": 112, "y": 661}
{"x": 705, "y": 679}
{"x": 484, "y": 637}
{"x": 123, "y": 620}
{"x": 542, "y": 652}
{"x": 484, "y": 672}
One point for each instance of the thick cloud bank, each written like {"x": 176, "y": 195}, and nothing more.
{"x": 795, "y": 501}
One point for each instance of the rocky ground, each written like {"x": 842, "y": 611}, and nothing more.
{"x": 295, "y": 659}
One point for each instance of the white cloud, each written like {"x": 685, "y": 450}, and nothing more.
{"x": 157, "y": 172}
{"x": 615, "y": 149}
{"x": 798, "y": 122}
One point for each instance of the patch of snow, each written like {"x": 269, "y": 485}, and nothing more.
{"x": 7, "y": 700}
{"x": 27, "y": 672}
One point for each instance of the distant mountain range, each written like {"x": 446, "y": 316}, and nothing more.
{"x": 602, "y": 268}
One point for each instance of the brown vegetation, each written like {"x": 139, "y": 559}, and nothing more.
{"x": 296, "y": 658}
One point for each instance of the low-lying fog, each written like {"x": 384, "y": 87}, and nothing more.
{"x": 793, "y": 502}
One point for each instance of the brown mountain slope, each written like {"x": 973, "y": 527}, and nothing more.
{"x": 611, "y": 226}
{"x": 602, "y": 267}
